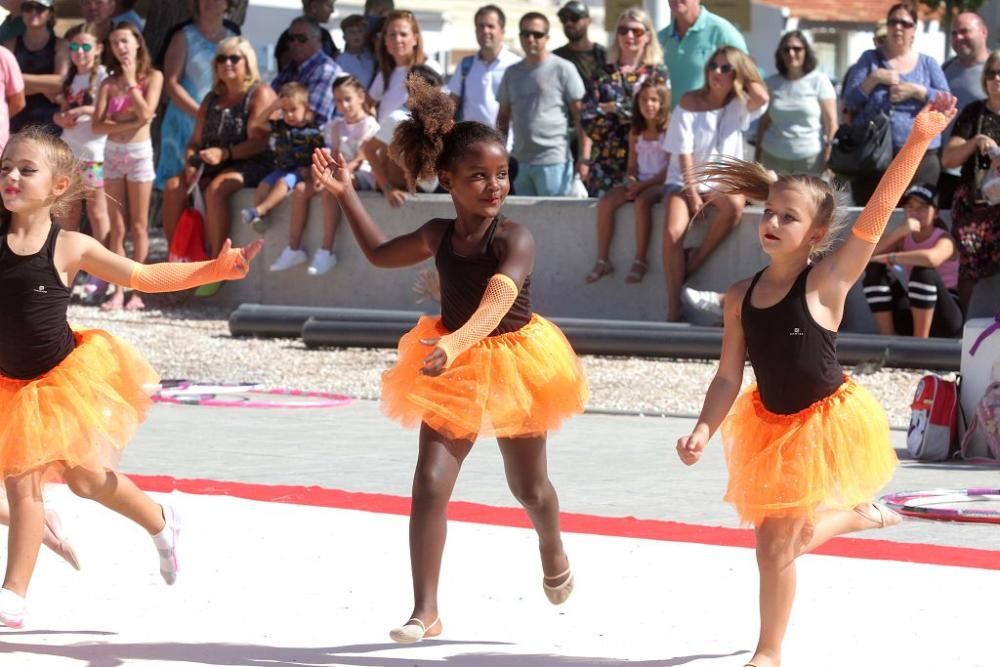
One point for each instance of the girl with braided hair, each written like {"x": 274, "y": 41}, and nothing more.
{"x": 807, "y": 448}
{"x": 488, "y": 365}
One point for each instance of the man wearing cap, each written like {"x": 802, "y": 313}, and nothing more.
{"x": 964, "y": 73}
{"x": 588, "y": 57}
{"x": 693, "y": 35}
{"x": 538, "y": 96}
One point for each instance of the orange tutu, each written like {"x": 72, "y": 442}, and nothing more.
{"x": 517, "y": 384}
{"x": 835, "y": 454}
{"x": 81, "y": 413}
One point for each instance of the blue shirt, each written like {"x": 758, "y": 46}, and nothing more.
{"x": 927, "y": 73}
{"x": 687, "y": 56}
{"x": 317, "y": 74}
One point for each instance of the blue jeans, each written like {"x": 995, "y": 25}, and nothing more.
{"x": 544, "y": 180}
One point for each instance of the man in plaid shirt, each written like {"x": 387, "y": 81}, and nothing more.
{"x": 311, "y": 67}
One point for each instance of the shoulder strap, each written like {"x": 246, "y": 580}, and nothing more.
{"x": 753, "y": 283}
{"x": 491, "y": 233}
{"x": 50, "y": 242}
{"x": 466, "y": 67}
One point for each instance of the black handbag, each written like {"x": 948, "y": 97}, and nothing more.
{"x": 862, "y": 148}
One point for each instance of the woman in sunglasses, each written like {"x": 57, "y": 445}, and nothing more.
{"x": 708, "y": 123}
{"x": 609, "y": 108}
{"x": 187, "y": 79}
{"x": 231, "y": 148}
{"x": 896, "y": 81}
{"x": 44, "y": 62}
{"x": 795, "y": 133}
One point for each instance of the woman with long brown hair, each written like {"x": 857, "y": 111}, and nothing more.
{"x": 400, "y": 47}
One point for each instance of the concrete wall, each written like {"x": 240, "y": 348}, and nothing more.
{"x": 565, "y": 238}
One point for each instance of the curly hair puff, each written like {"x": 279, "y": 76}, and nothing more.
{"x": 430, "y": 140}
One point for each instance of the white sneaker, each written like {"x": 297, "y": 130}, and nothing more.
{"x": 323, "y": 261}
{"x": 248, "y": 215}
{"x": 289, "y": 258}
{"x": 166, "y": 544}
{"x": 11, "y": 609}
{"x": 703, "y": 301}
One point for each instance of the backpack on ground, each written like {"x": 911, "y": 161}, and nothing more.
{"x": 981, "y": 443}
{"x": 933, "y": 432}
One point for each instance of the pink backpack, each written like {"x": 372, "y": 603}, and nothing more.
{"x": 933, "y": 432}
{"x": 986, "y": 422}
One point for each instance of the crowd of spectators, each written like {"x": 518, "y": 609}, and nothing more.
{"x": 626, "y": 122}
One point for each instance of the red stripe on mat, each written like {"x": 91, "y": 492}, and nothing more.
{"x": 649, "y": 529}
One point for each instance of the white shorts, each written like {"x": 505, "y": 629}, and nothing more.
{"x": 133, "y": 161}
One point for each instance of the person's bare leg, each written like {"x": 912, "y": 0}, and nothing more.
{"x": 118, "y": 206}
{"x": 27, "y": 527}
{"x": 728, "y": 211}
{"x": 138, "y": 206}
{"x": 526, "y": 466}
{"x": 922, "y": 320}
{"x": 118, "y": 493}
{"x": 438, "y": 463}
{"x": 271, "y": 197}
{"x": 884, "y": 323}
{"x": 777, "y": 548}
{"x": 174, "y": 196}
{"x": 674, "y": 228}
{"x": 217, "y": 218}
{"x": 607, "y": 206}
{"x": 644, "y": 204}
{"x": 833, "y": 523}
{"x": 97, "y": 213}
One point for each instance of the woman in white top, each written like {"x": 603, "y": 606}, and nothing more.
{"x": 707, "y": 124}
{"x": 795, "y": 133}
{"x": 400, "y": 47}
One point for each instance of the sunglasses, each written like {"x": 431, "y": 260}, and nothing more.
{"x": 231, "y": 58}
{"x": 631, "y": 30}
{"x": 33, "y": 8}
{"x": 537, "y": 34}
{"x": 298, "y": 37}
{"x": 724, "y": 68}
{"x": 793, "y": 49}
{"x": 900, "y": 23}
{"x": 991, "y": 74}
{"x": 76, "y": 46}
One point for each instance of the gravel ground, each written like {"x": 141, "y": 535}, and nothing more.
{"x": 184, "y": 341}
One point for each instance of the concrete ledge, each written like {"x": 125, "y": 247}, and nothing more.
{"x": 565, "y": 238}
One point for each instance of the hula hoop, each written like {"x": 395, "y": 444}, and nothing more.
{"x": 185, "y": 392}
{"x": 921, "y": 504}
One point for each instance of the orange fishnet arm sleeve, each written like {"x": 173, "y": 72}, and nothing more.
{"x": 175, "y": 276}
{"x": 500, "y": 294}
{"x": 873, "y": 219}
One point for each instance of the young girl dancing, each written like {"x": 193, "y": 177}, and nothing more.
{"x": 126, "y": 105}
{"x": 70, "y": 400}
{"x": 488, "y": 365}
{"x": 806, "y": 447}
{"x": 648, "y": 159}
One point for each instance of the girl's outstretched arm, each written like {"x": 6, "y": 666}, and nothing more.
{"x": 332, "y": 173}
{"x": 90, "y": 256}
{"x": 842, "y": 268}
{"x": 726, "y": 384}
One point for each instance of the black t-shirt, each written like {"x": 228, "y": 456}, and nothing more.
{"x": 967, "y": 125}
{"x": 284, "y": 43}
{"x": 590, "y": 64}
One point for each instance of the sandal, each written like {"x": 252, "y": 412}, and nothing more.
{"x": 413, "y": 631}
{"x": 602, "y": 267}
{"x": 560, "y": 593}
{"x": 637, "y": 272}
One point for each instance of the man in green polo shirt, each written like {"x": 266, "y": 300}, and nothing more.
{"x": 688, "y": 42}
